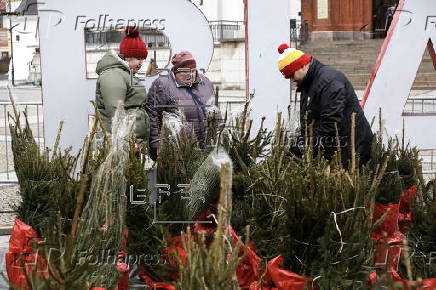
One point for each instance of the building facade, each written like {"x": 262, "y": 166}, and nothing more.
{"x": 24, "y": 44}
{"x": 227, "y": 69}
{"x": 344, "y": 19}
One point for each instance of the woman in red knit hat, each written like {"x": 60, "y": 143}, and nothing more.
{"x": 117, "y": 82}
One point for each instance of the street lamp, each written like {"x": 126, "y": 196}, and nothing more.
{"x": 12, "y": 45}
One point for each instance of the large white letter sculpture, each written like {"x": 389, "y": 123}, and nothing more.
{"x": 268, "y": 27}
{"x": 66, "y": 91}
{"x": 412, "y": 31}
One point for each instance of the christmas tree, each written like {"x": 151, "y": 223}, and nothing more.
{"x": 315, "y": 213}
{"x": 421, "y": 244}
{"x": 214, "y": 266}
{"x": 179, "y": 158}
{"x": 244, "y": 152}
{"x": 80, "y": 217}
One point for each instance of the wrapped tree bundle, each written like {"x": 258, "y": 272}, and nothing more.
{"x": 103, "y": 216}
{"x": 205, "y": 186}
{"x": 179, "y": 158}
{"x": 145, "y": 242}
{"x": 172, "y": 126}
{"x": 83, "y": 225}
{"x": 213, "y": 267}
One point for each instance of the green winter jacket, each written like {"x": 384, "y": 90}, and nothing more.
{"x": 114, "y": 84}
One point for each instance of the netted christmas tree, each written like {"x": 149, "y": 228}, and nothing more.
{"x": 80, "y": 217}
{"x": 205, "y": 187}
{"x": 146, "y": 239}
{"x": 179, "y": 158}
{"x": 213, "y": 267}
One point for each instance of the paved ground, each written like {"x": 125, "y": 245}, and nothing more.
{"x": 9, "y": 196}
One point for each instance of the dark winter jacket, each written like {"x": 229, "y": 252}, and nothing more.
{"x": 166, "y": 95}
{"x": 114, "y": 84}
{"x": 327, "y": 97}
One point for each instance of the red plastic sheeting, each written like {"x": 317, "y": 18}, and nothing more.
{"x": 21, "y": 259}
{"x": 278, "y": 279}
{"x": 248, "y": 271}
{"x": 405, "y": 211}
{"x": 387, "y": 256}
{"x": 388, "y": 231}
{"x": 123, "y": 269}
{"x": 387, "y": 236}
{"x": 205, "y": 215}
{"x": 154, "y": 285}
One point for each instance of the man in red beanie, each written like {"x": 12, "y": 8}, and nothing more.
{"x": 327, "y": 100}
{"x": 115, "y": 83}
{"x": 184, "y": 87}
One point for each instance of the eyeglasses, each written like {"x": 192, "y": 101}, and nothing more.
{"x": 186, "y": 70}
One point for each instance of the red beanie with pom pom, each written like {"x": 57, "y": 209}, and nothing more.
{"x": 291, "y": 60}
{"x": 132, "y": 45}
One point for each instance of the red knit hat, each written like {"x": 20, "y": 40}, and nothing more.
{"x": 132, "y": 44}
{"x": 291, "y": 60}
{"x": 183, "y": 59}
